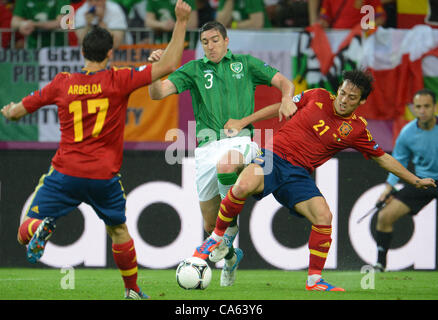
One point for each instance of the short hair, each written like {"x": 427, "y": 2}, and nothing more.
{"x": 213, "y": 25}
{"x": 361, "y": 79}
{"x": 96, "y": 44}
{"x": 426, "y": 91}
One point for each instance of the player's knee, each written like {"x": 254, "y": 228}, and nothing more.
{"x": 324, "y": 217}
{"x": 118, "y": 232}
{"x": 384, "y": 219}
{"x": 231, "y": 162}
{"x": 243, "y": 189}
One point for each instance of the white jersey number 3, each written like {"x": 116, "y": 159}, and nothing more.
{"x": 209, "y": 77}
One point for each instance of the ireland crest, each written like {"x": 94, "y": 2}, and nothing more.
{"x": 237, "y": 67}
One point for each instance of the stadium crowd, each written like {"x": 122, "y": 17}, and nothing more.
{"x": 28, "y": 18}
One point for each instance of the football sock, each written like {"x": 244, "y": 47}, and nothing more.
{"x": 27, "y": 230}
{"x": 383, "y": 240}
{"x": 231, "y": 232}
{"x": 319, "y": 245}
{"x": 229, "y": 209}
{"x": 225, "y": 181}
{"x": 126, "y": 260}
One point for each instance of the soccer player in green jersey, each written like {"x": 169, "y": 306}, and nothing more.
{"x": 222, "y": 86}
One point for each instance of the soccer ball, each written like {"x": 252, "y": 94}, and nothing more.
{"x": 193, "y": 273}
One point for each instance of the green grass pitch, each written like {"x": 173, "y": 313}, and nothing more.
{"x": 106, "y": 284}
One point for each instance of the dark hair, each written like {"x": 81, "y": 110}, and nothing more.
{"x": 96, "y": 44}
{"x": 361, "y": 79}
{"x": 426, "y": 91}
{"x": 213, "y": 25}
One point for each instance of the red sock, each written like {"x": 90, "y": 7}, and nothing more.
{"x": 27, "y": 229}
{"x": 126, "y": 260}
{"x": 319, "y": 245}
{"x": 230, "y": 208}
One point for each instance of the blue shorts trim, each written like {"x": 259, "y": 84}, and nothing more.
{"x": 58, "y": 194}
{"x": 288, "y": 184}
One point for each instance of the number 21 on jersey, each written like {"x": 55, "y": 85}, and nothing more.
{"x": 99, "y": 106}
{"x": 321, "y": 127}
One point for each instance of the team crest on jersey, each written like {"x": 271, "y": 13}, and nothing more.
{"x": 237, "y": 67}
{"x": 345, "y": 129}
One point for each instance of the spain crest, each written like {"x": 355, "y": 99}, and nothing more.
{"x": 345, "y": 129}
{"x": 237, "y": 67}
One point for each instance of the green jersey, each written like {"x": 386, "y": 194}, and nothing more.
{"x": 243, "y": 8}
{"x": 41, "y": 10}
{"x": 221, "y": 91}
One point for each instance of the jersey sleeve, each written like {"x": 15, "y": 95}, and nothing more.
{"x": 20, "y": 9}
{"x": 365, "y": 144}
{"x": 182, "y": 78}
{"x": 301, "y": 99}
{"x": 261, "y": 72}
{"x": 130, "y": 79}
{"x": 45, "y": 96}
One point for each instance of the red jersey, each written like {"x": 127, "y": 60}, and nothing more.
{"x": 91, "y": 111}
{"x": 316, "y": 133}
{"x": 346, "y": 14}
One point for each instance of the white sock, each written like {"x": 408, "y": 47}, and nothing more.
{"x": 232, "y": 231}
{"x": 216, "y": 237}
{"x": 223, "y": 189}
{"x": 313, "y": 279}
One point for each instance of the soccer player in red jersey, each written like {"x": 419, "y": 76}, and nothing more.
{"x": 321, "y": 126}
{"x": 91, "y": 109}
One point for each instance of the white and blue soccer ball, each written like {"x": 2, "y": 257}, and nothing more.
{"x": 193, "y": 273}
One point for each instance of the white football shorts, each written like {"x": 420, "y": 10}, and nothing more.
{"x": 207, "y": 157}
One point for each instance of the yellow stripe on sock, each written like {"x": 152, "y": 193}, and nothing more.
{"x": 29, "y": 228}
{"x": 318, "y": 253}
{"x": 224, "y": 208}
{"x": 223, "y": 218}
{"x": 130, "y": 272}
{"x": 234, "y": 200}
{"x": 322, "y": 230}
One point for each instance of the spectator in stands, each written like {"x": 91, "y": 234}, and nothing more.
{"x": 390, "y": 7}
{"x": 271, "y": 7}
{"x": 206, "y": 12}
{"x": 243, "y": 14}
{"x": 36, "y": 19}
{"x": 313, "y": 6}
{"x": 346, "y": 14}
{"x": 160, "y": 15}
{"x": 72, "y": 38}
{"x": 127, "y": 5}
{"x": 291, "y": 13}
{"x": 6, "y": 9}
{"x": 106, "y": 14}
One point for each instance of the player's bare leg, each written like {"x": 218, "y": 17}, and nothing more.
{"x": 126, "y": 260}
{"x": 248, "y": 183}
{"x": 227, "y": 169}
{"x": 386, "y": 218}
{"x": 317, "y": 211}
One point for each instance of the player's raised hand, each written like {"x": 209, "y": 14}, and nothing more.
{"x": 156, "y": 55}
{"x": 182, "y": 10}
{"x": 287, "y": 109}
{"x": 425, "y": 183}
